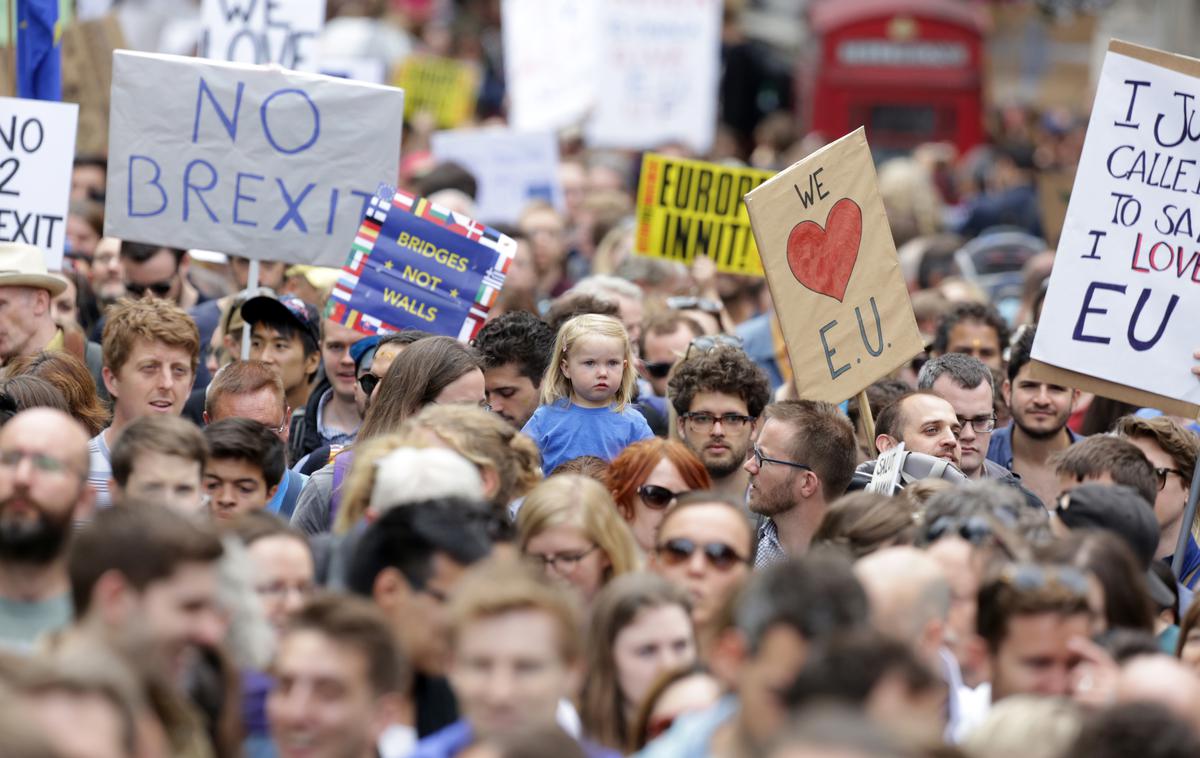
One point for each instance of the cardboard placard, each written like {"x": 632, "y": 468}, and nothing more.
{"x": 1121, "y": 310}
{"x": 37, "y": 148}
{"x": 657, "y": 74}
{"x": 831, "y": 264}
{"x": 512, "y": 168}
{"x": 255, "y": 161}
{"x": 444, "y": 87}
{"x": 87, "y": 55}
{"x": 369, "y": 70}
{"x": 549, "y": 61}
{"x": 416, "y": 265}
{"x": 687, "y": 208}
{"x": 283, "y": 32}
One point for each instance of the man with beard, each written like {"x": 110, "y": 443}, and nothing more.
{"x": 1039, "y": 429}
{"x": 718, "y": 396}
{"x": 803, "y": 461}
{"x": 43, "y": 488}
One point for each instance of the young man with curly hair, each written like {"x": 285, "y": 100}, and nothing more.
{"x": 516, "y": 349}
{"x": 718, "y": 396}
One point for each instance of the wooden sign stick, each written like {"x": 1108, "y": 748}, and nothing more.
{"x": 864, "y": 413}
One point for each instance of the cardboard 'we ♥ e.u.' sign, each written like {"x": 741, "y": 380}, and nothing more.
{"x": 831, "y": 264}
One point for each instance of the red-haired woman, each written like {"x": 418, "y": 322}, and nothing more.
{"x": 646, "y": 478}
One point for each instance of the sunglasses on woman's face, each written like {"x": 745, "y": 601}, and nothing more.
{"x": 720, "y": 556}
{"x": 656, "y": 497}
{"x": 368, "y": 383}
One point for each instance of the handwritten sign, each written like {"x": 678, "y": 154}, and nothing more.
{"x": 416, "y": 265}
{"x": 1124, "y": 296}
{"x": 833, "y": 272}
{"x": 37, "y": 145}
{"x": 87, "y": 54}
{"x": 443, "y": 87}
{"x": 249, "y": 160}
{"x": 263, "y": 31}
{"x": 658, "y": 81}
{"x": 687, "y": 208}
{"x": 511, "y": 168}
{"x": 549, "y": 61}
{"x": 370, "y": 70}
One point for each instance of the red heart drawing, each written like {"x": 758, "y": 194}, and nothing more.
{"x": 823, "y": 259}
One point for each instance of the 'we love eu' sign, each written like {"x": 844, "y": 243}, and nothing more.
{"x": 830, "y": 261}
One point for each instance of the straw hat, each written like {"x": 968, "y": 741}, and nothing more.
{"x": 23, "y": 265}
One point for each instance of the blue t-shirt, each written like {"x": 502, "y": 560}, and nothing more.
{"x": 564, "y": 431}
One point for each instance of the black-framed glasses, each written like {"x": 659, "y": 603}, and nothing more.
{"x": 1162, "y": 474}
{"x": 656, "y": 496}
{"x": 760, "y": 459}
{"x": 706, "y": 343}
{"x": 679, "y": 550}
{"x": 659, "y": 370}
{"x": 368, "y": 382}
{"x": 702, "y": 421}
{"x": 158, "y": 289}
{"x": 981, "y": 424}
{"x": 563, "y": 563}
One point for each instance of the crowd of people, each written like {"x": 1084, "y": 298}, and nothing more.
{"x": 610, "y": 525}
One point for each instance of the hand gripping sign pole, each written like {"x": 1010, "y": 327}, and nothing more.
{"x": 1189, "y": 517}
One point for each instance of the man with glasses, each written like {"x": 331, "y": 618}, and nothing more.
{"x": 43, "y": 490}
{"x": 718, "y": 393}
{"x": 665, "y": 340}
{"x": 967, "y": 384}
{"x": 1172, "y": 450}
{"x": 704, "y": 546}
{"x": 803, "y": 461}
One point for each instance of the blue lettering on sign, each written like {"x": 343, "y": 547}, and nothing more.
{"x": 238, "y": 197}
{"x": 231, "y": 125}
{"x": 188, "y": 187}
{"x": 162, "y": 193}
{"x": 316, "y": 124}
{"x": 293, "y": 207}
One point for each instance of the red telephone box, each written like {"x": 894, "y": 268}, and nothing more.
{"x": 911, "y": 71}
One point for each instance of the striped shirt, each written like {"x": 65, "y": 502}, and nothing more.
{"x": 100, "y": 469}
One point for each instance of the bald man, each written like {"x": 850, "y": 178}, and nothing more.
{"x": 1157, "y": 679}
{"x": 43, "y": 490}
{"x": 910, "y": 598}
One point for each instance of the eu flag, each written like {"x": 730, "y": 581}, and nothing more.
{"x": 39, "y": 59}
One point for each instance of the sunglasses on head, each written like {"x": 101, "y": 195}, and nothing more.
{"x": 659, "y": 370}
{"x": 159, "y": 289}
{"x": 707, "y": 343}
{"x": 657, "y": 497}
{"x": 720, "y": 556}
{"x": 368, "y": 382}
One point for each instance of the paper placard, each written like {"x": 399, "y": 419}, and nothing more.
{"x": 687, "y": 208}
{"x": 657, "y": 74}
{"x": 37, "y": 148}
{"x": 549, "y": 61}
{"x": 442, "y": 87}
{"x": 1124, "y": 295}
{"x": 283, "y": 32}
{"x": 253, "y": 161}
{"x": 512, "y": 168}
{"x": 831, "y": 264}
{"x": 416, "y": 265}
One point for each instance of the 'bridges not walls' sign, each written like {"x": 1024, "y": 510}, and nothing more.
{"x": 249, "y": 160}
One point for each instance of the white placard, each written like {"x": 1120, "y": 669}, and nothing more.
{"x": 512, "y": 168}
{"x": 658, "y": 74}
{"x": 370, "y": 70}
{"x": 254, "y": 161}
{"x": 549, "y": 61}
{"x": 284, "y": 32}
{"x": 37, "y": 147}
{"x": 1124, "y": 297}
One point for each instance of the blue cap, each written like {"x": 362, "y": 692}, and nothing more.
{"x": 364, "y": 350}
